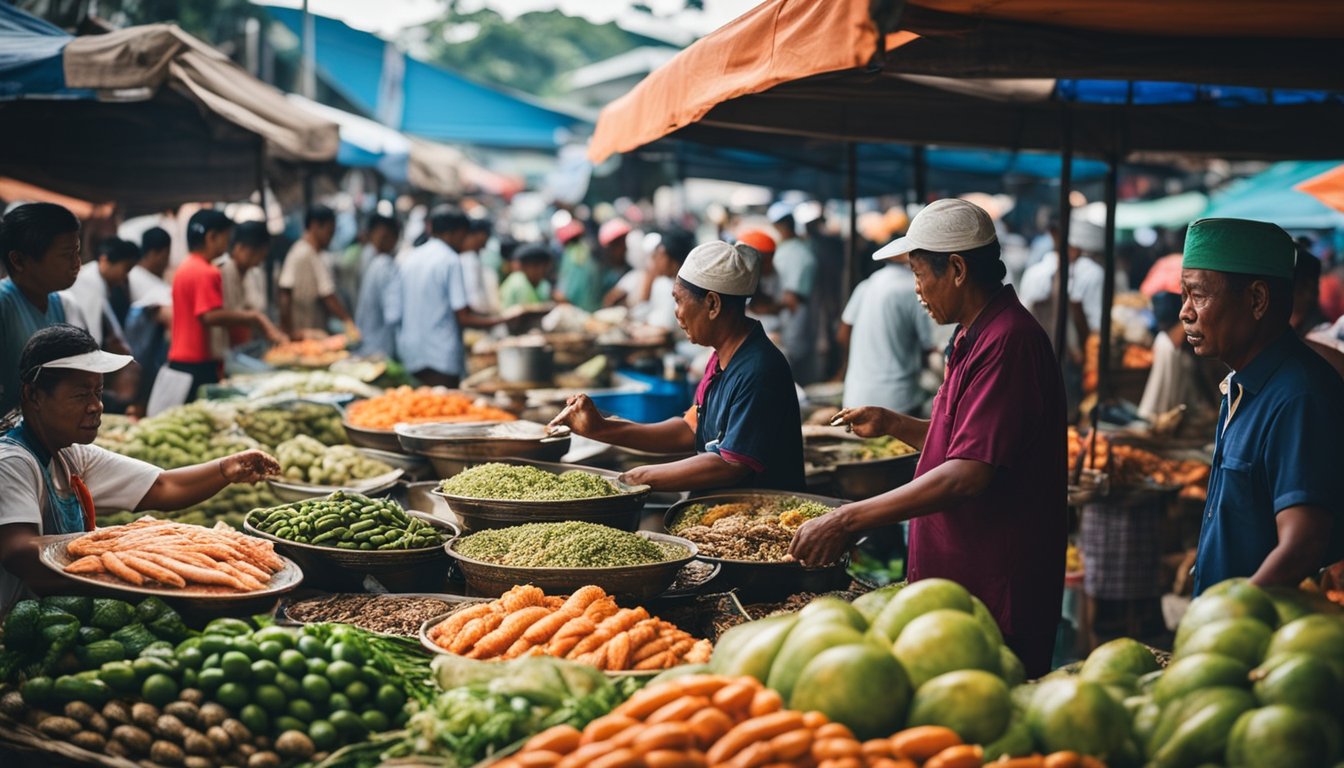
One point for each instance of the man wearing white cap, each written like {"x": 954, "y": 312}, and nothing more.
{"x": 53, "y": 479}
{"x": 987, "y": 507}
{"x": 744, "y": 427}
{"x": 1086, "y": 278}
{"x": 797, "y": 267}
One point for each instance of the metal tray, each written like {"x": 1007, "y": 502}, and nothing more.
{"x": 757, "y": 579}
{"x": 633, "y": 582}
{"x": 52, "y": 553}
{"x": 373, "y": 561}
{"x": 477, "y": 441}
{"x": 619, "y": 511}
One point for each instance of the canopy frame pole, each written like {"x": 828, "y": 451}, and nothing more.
{"x": 921, "y": 169}
{"x": 1062, "y": 246}
{"x": 851, "y": 274}
{"x": 1107, "y": 292}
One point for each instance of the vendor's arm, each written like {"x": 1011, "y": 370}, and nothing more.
{"x": 284, "y": 299}
{"x": 337, "y": 308}
{"x": 1304, "y": 534}
{"x": 705, "y": 470}
{"x": 20, "y": 556}
{"x": 236, "y": 317}
{"x": 582, "y": 417}
{"x": 822, "y": 540}
{"x": 872, "y": 421}
{"x": 185, "y": 486}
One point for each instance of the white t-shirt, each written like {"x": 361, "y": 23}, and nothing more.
{"x": 630, "y": 284}
{"x": 89, "y": 293}
{"x": 148, "y": 289}
{"x": 114, "y": 481}
{"x": 1086, "y": 280}
{"x": 661, "y": 308}
{"x": 309, "y": 276}
{"x": 888, "y": 344}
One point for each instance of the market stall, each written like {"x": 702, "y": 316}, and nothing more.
{"x": 509, "y": 610}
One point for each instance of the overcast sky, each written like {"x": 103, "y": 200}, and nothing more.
{"x": 390, "y": 16}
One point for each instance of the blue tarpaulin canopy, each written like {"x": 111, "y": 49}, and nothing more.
{"x": 427, "y": 100}
{"x": 1270, "y": 196}
{"x": 147, "y": 117}
{"x": 30, "y": 58}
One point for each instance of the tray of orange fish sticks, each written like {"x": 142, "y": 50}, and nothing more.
{"x": 587, "y": 626}
{"x": 176, "y": 560}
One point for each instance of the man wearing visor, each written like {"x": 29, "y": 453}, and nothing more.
{"x": 744, "y": 427}
{"x": 53, "y": 479}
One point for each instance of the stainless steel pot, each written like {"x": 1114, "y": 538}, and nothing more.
{"x": 526, "y": 363}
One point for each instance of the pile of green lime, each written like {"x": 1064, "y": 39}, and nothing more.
{"x": 275, "y": 681}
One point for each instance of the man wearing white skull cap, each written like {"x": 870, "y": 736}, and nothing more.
{"x": 744, "y": 427}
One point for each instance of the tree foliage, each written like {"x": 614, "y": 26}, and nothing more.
{"x": 531, "y": 53}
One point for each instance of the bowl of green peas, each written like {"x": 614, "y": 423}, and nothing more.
{"x": 354, "y": 532}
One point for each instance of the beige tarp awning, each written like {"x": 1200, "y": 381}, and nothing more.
{"x": 133, "y": 64}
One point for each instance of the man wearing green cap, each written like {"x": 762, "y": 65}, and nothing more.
{"x": 1275, "y": 495}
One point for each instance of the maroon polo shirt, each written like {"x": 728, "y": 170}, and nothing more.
{"x": 1002, "y": 404}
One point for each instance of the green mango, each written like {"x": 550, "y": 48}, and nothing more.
{"x": 749, "y": 649}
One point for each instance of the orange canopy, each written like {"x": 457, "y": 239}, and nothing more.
{"x": 1328, "y": 187}
{"x": 983, "y": 43}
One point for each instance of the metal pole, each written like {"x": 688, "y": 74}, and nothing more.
{"x": 308, "y": 67}
{"x": 1062, "y": 247}
{"x": 851, "y": 272}
{"x": 921, "y": 176}
{"x": 1108, "y": 287}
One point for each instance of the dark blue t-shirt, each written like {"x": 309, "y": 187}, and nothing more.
{"x": 748, "y": 414}
{"x": 1279, "y": 450}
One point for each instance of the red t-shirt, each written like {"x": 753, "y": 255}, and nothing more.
{"x": 1002, "y": 404}
{"x": 197, "y": 288}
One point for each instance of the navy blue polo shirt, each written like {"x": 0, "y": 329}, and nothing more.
{"x": 748, "y": 414}
{"x": 1279, "y": 450}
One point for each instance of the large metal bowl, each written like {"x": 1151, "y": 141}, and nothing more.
{"x": 637, "y": 583}
{"x": 421, "y": 497}
{"x": 619, "y": 511}
{"x": 860, "y": 480}
{"x": 415, "y": 467}
{"x": 766, "y": 580}
{"x": 316, "y": 559}
{"x": 380, "y": 439}
{"x": 452, "y": 448}
{"x": 289, "y": 491}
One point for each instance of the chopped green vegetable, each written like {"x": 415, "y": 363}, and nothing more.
{"x": 570, "y": 544}
{"x": 524, "y": 483}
